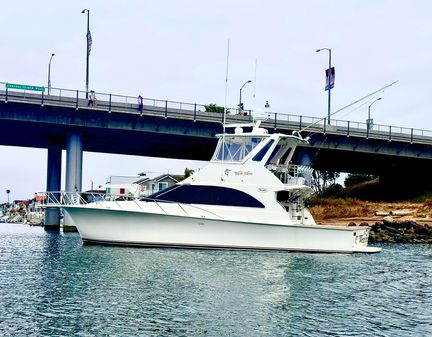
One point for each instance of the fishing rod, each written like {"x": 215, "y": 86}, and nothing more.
{"x": 351, "y": 104}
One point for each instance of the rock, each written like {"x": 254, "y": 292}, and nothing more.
{"x": 390, "y": 229}
{"x": 364, "y": 224}
{"x": 410, "y": 230}
{"x": 352, "y": 224}
{"x": 420, "y": 230}
{"x": 409, "y": 224}
{"x": 385, "y": 237}
{"x": 401, "y": 239}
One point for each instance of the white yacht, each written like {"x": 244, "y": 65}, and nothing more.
{"x": 248, "y": 197}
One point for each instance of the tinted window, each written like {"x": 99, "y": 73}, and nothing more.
{"x": 275, "y": 150}
{"x": 260, "y": 155}
{"x": 206, "y": 195}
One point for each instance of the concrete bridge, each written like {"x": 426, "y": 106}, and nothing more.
{"x": 63, "y": 120}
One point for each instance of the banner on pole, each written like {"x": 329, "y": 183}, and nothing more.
{"x": 330, "y": 78}
{"x": 89, "y": 43}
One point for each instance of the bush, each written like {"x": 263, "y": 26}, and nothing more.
{"x": 354, "y": 179}
{"x": 215, "y": 108}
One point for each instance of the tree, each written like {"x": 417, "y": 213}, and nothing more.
{"x": 188, "y": 172}
{"x": 353, "y": 179}
{"x": 215, "y": 108}
{"x": 323, "y": 180}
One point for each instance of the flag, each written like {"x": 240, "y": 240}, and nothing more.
{"x": 330, "y": 78}
{"x": 89, "y": 43}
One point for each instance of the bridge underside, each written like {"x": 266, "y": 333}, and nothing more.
{"x": 180, "y": 137}
{"x": 363, "y": 162}
{"x": 110, "y": 133}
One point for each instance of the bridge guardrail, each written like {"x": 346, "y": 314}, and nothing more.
{"x": 128, "y": 104}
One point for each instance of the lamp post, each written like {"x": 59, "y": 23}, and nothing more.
{"x": 240, "y": 100}
{"x": 87, "y": 49}
{"x": 49, "y": 73}
{"x": 369, "y": 121}
{"x": 7, "y": 192}
{"x": 329, "y": 90}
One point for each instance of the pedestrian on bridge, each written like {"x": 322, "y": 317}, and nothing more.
{"x": 92, "y": 98}
{"x": 140, "y": 104}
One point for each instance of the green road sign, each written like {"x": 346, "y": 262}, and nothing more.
{"x": 24, "y": 87}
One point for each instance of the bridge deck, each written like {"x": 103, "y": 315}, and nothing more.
{"x": 75, "y": 99}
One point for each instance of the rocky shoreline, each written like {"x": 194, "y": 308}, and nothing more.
{"x": 398, "y": 231}
{"x": 400, "y": 222}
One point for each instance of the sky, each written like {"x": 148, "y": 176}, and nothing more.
{"x": 177, "y": 50}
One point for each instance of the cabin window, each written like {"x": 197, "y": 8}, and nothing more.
{"x": 260, "y": 155}
{"x": 275, "y": 150}
{"x": 235, "y": 148}
{"x": 206, "y": 195}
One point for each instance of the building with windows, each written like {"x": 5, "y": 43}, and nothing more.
{"x": 135, "y": 187}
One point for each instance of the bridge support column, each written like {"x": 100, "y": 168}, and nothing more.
{"x": 74, "y": 154}
{"x": 52, "y": 215}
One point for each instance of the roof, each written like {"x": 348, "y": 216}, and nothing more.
{"x": 141, "y": 180}
{"x": 163, "y": 176}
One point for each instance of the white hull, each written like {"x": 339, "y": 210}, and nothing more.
{"x": 97, "y": 225}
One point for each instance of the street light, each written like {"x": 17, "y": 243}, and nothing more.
{"x": 49, "y": 73}
{"x": 7, "y": 192}
{"x": 87, "y": 49}
{"x": 240, "y": 101}
{"x": 369, "y": 121}
{"x": 329, "y": 95}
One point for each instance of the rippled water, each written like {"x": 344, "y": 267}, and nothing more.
{"x": 52, "y": 285}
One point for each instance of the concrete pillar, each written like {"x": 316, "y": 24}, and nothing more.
{"x": 52, "y": 215}
{"x": 74, "y": 154}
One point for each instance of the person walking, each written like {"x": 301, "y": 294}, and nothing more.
{"x": 92, "y": 98}
{"x": 140, "y": 104}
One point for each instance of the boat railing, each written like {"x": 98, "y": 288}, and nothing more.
{"x": 63, "y": 198}
{"x": 292, "y": 174}
{"x": 59, "y": 198}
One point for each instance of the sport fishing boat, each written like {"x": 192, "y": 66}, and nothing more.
{"x": 249, "y": 196}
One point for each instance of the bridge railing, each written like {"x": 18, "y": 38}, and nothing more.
{"x": 163, "y": 108}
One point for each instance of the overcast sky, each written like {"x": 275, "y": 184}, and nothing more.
{"x": 176, "y": 50}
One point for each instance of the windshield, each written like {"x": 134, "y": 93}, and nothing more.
{"x": 234, "y": 148}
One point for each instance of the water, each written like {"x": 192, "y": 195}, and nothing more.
{"x": 52, "y": 285}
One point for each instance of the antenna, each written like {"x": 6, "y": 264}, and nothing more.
{"x": 351, "y": 104}
{"x": 224, "y": 111}
{"x": 254, "y": 81}
{"x": 226, "y": 85}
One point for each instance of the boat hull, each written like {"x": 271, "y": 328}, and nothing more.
{"x": 105, "y": 226}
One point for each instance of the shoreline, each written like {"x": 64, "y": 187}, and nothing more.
{"x": 401, "y": 222}
{"x": 388, "y": 229}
